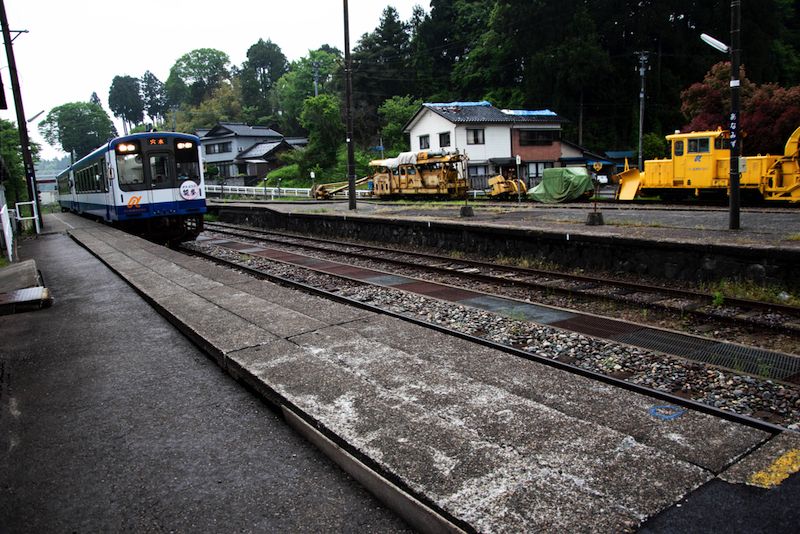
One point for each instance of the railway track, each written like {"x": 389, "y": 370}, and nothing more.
{"x": 764, "y": 404}
{"x": 738, "y": 390}
{"x": 703, "y": 307}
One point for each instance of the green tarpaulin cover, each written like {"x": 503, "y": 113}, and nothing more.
{"x": 562, "y": 184}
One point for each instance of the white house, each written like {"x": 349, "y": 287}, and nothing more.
{"x": 493, "y": 138}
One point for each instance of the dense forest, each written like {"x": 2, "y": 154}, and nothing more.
{"x": 578, "y": 58}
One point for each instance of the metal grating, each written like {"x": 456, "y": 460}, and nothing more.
{"x": 597, "y": 326}
{"x": 669, "y": 342}
{"x": 750, "y": 360}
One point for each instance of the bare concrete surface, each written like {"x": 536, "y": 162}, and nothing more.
{"x": 491, "y": 442}
{"x": 112, "y": 421}
{"x": 18, "y": 276}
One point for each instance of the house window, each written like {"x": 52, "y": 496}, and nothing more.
{"x": 538, "y": 137}
{"x": 535, "y": 169}
{"x": 475, "y": 137}
{"x": 476, "y": 171}
{"x": 218, "y": 148}
{"x": 424, "y": 142}
{"x": 444, "y": 140}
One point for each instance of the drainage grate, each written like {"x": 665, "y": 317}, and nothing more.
{"x": 750, "y": 360}
{"x": 668, "y": 342}
{"x": 597, "y": 326}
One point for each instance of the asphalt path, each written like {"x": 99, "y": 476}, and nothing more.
{"x": 112, "y": 421}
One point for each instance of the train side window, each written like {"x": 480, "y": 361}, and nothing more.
{"x": 679, "y": 148}
{"x": 722, "y": 143}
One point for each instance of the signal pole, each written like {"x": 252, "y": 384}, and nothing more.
{"x": 643, "y": 55}
{"x": 348, "y": 75}
{"x": 22, "y": 124}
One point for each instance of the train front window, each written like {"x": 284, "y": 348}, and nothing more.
{"x": 131, "y": 173}
{"x": 160, "y": 172}
{"x": 187, "y": 162}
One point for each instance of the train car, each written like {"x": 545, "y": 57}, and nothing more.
{"x": 700, "y": 166}
{"x": 150, "y": 184}
{"x": 420, "y": 174}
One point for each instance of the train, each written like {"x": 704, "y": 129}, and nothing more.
{"x": 699, "y": 166}
{"x": 150, "y": 184}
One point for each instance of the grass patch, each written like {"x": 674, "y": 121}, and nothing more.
{"x": 210, "y": 217}
{"x": 793, "y": 237}
{"x": 748, "y": 289}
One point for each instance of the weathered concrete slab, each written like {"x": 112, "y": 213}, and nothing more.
{"x": 489, "y": 440}
{"x": 323, "y": 310}
{"x": 770, "y": 465}
{"x": 18, "y": 276}
{"x": 481, "y": 453}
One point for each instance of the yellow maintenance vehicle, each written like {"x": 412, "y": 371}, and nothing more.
{"x": 502, "y": 187}
{"x": 426, "y": 174}
{"x": 700, "y": 165}
{"x": 327, "y": 191}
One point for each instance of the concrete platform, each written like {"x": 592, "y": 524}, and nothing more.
{"x": 453, "y": 435}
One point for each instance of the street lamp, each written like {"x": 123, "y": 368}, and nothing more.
{"x": 736, "y": 146}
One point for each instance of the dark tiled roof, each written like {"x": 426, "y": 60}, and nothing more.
{"x": 484, "y": 112}
{"x": 261, "y": 150}
{"x": 238, "y": 129}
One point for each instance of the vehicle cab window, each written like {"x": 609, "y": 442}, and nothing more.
{"x": 679, "y": 148}
{"x": 699, "y": 146}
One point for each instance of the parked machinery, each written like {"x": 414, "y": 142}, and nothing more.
{"x": 700, "y": 165}
{"x": 426, "y": 173}
{"x": 501, "y": 187}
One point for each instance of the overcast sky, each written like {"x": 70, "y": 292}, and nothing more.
{"x": 76, "y": 47}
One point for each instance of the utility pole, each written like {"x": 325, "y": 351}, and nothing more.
{"x": 348, "y": 75}
{"x": 22, "y": 124}
{"x": 736, "y": 145}
{"x": 315, "y": 65}
{"x": 643, "y": 55}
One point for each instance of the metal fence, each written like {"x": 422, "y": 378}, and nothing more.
{"x": 8, "y": 233}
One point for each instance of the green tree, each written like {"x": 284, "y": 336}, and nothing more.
{"x": 11, "y": 154}
{"x": 224, "y": 105}
{"x": 380, "y": 70}
{"x": 78, "y": 126}
{"x": 322, "y": 118}
{"x": 196, "y": 74}
{"x": 154, "y": 96}
{"x": 395, "y": 113}
{"x": 265, "y": 64}
{"x": 291, "y": 90}
{"x": 125, "y": 100}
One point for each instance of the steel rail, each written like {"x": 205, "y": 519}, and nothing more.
{"x": 704, "y": 298}
{"x": 744, "y": 420}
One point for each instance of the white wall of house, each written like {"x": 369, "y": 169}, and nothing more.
{"x": 497, "y": 138}
{"x": 432, "y": 125}
{"x": 496, "y": 141}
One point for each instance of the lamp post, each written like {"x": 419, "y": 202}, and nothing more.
{"x": 734, "y": 119}
{"x": 348, "y": 84}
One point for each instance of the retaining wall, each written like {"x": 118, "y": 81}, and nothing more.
{"x": 668, "y": 260}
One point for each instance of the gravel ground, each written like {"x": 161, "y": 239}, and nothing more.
{"x": 743, "y": 394}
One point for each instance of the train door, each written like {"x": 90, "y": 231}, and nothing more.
{"x": 678, "y": 161}
{"x": 160, "y": 194}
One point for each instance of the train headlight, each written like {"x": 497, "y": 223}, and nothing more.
{"x": 126, "y": 148}
{"x": 187, "y": 144}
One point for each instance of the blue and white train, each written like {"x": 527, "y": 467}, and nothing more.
{"x": 150, "y": 184}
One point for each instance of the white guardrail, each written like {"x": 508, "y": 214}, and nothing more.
{"x": 8, "y": 232}
{"x": 273, "y": 192}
